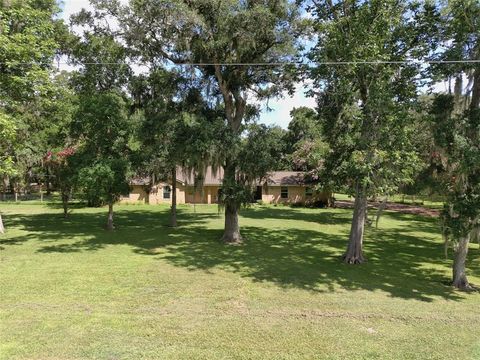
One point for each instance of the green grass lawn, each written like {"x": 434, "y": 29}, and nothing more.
{"x": 70, "y": 290}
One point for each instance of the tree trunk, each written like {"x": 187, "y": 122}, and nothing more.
{"x": 110, "y": 217}
{"x": 231, "y": 234}
{"x": 460, "y": 280}
{"x": 173, "y": 213}
{"x": 380, "y": 210}
{"x": 475, "y": 102}
{"x": 47, "y": 173}
{"x": 65, "y": 204}
{"x": 6, "y": 185}
{"x": 2, "y": 228}
{"x": 354, "y": 253}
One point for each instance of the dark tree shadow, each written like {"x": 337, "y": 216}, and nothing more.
{"x": 283, "y": 212}
{"x": 299, "y": 258}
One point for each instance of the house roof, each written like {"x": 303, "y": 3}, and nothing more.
{"x": 286, "y": 178}
{"x": 140, "y": 181}
{"x": 211, "y": 177}
{"x": 274, "y": 178}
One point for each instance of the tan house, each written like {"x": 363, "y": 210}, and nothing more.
{"x": 287, "y": 187}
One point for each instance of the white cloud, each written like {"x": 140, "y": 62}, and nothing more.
{"x": 280, "y": 113}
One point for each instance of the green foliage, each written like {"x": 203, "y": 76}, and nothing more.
{"x": 65, "y": 165}
{"x": 102, "y": 126}
{"x": 215, "y": 32}
{"x": 7, "y": 136}
{"x": 177, "y": 126}
{"x": 27, "y": 46}
{"x": 303, "y": 126}
{"x": 29, "y": 38}
{"x": 101, "y": 123}
{"x": 102, "y": 61}
{"x": 235, "y": 193}
{"x": 457, "y": 135}
{"x": 260, "y": 152}
{"x": 104, "y": 181}
{"x": 365, "y": 107}
{"x": 456, "y": 117}
{"x": 309, "y": 155}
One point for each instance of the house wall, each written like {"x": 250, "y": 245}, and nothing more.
{"x": 296, "y": 194}
{"x": 185, "y": 195}
{"x": 138, "y": 194}
{"x": 272, "y": 195}
{"x": 209, "y": 195}
{"x": 156, "y": 195}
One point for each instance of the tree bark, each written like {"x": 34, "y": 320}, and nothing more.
{"x": 110, "y": 217}
{"x": 235, "y": 106}
{"x": 231, "y": 234}
{"x": 173, "y": 213}
{"x": 47, "y": 181}
{"x": 354, "y": 253}
{"x": 460, "y": 280}
{"x": 475, "y": 103}
{"x": 65, "y": 204}
{"x": 2, "y": 228}
{"x": 147, "y": 196}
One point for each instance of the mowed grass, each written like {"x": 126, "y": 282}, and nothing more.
{"x": 70, "y": 290}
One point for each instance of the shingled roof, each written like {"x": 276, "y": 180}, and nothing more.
{"x": 280, "y": 178}
{"x": 274, "y": 178}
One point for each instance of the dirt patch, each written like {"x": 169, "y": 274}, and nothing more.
{"x": 402, "y": 208}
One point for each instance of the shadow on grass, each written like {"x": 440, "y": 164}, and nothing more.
{"x": 400, "y": 262}
{"x": 283, "y": 212}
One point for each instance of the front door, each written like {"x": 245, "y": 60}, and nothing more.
{"x": 258, "y": 193}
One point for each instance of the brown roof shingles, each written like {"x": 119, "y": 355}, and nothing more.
{"x": 286, "y": 178}
{"x": 274, "y": 178}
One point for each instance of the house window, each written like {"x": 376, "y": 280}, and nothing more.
{"x": 166, "y": 192}
{"x": 284, "y": 192}
{"x": 308, "y": 191}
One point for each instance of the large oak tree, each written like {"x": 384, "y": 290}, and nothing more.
{"x": 220, "y": 40}
{"x": 456, "y": 123}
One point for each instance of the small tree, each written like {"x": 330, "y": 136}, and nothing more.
{"x": 102, "y": 127}
{"x": 65, "y": 171}
{"x": 106, "y": 180}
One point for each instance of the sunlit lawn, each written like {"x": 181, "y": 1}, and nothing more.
{"x": 70, "y": 290}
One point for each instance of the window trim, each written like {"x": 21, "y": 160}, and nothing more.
{"x": 282, "y": 190}
{"x": 308, "y": 191}
{"x": 169, "y": 192}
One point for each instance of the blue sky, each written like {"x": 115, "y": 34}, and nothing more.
{"x": 280, "y": 108}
